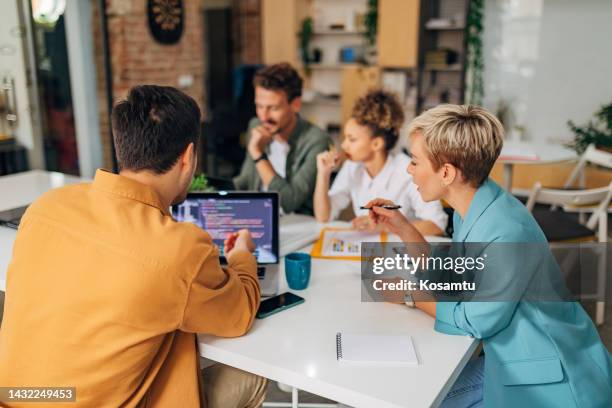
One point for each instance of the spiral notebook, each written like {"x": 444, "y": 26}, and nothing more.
{"x": 375, "y": 349}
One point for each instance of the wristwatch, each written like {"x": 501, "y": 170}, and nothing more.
{"x": 263, "y": 156}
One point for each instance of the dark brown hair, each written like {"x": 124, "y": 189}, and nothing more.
{"x": 153, "y": 126}
{"x": 280, "y": 77}
{"x": 382, "y": 113}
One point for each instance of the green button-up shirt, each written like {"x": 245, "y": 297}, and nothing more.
{"x": 296, "y": 189}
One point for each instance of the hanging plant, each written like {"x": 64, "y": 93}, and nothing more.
{"x": 475, "y": 62}
{"x": 371, "y": 22}
{"x": 305, "y": 35}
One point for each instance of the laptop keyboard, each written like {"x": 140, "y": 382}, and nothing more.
{"x": 11, "y": 218}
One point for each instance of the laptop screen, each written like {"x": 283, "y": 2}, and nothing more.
{"x": 222, "y": 213}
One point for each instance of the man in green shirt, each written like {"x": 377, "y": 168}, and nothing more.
{"x": 282, "y": 146}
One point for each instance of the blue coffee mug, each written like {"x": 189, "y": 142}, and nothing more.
{"x": 297, "y": 270}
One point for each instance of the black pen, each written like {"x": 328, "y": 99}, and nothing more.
{"x": 385, "y": 206}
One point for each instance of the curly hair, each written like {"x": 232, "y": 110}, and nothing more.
{"x": 382, "y": 113}
{"x": 280, "y": 77}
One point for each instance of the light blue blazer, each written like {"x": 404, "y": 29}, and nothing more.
{"x": 544, "y": 354}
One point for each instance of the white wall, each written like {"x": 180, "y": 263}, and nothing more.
{"x": 13, "y": 55}
{"x": 79, "y": 40}
{"x": 551, "y": 60}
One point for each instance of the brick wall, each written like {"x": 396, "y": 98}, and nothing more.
{"x": 136, "y": 58}
{"x": 247, "y": 31}
{"x": 107, "y": 160}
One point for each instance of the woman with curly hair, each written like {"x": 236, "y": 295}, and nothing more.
{"x": 372, "y": 170}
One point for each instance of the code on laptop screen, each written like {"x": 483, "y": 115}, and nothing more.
{"x": 221, "y": 216}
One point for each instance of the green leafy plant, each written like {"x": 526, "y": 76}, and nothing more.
{"x": 371, "y": 22}
{"x": 199, "y": 183}
{"x": 597, "y": 131}
{"x": 305, "y": 35}
{"x": 475, "y": 60}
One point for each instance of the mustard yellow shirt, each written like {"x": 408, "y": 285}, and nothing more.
{"x": 105, "y": 291}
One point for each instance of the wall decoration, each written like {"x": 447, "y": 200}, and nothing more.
{"x": 166, "y": 20}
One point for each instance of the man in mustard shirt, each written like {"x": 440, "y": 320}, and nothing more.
{"x": 105, "y": 291}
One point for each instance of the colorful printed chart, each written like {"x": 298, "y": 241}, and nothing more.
{"x": 344, "y": 243}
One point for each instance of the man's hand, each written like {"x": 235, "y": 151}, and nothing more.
{"x": 240, "y": 241}
{"x": 393, "y": 220}
{"x": 326, "y": 162}
{"x": 260, "y": 139}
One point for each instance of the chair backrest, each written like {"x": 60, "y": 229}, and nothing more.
{"x": 599, "y": 197}
{"x": 590, "y": 155}
{"x": 592, "y": 196}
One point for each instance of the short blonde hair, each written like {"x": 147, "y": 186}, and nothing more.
{"x": 466, "y": 136}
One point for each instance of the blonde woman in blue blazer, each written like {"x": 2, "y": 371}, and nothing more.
{"x": 536, "y": 354}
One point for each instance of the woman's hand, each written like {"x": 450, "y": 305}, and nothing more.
{"x": 393, "y": 220}
{"x": 363, "y": 223}
{"x": 326, "y": 162}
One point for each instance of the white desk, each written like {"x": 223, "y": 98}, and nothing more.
{"x": 22, "y": 189}
{"x": 296, "y": 232}
{"x": 546, "y": 154}
{"x": 298, "y": 346}
{"x": 17, "y": 190}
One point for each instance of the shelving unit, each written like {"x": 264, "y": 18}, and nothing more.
{"x": 323, "y": 103}
{"x": 407, "y": 31}
{"x": 442, "y": 37}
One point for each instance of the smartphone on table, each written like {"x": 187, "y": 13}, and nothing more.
{"x": 278, "y": 303}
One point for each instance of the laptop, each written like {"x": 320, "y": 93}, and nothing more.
{"x": 224, "y": 212}
{"x": 11, "y": 218}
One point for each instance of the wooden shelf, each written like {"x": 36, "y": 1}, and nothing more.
{"x": 449, "y": 28}
{"x": 338, "y": 32}
{"x": 323, "y": 101}
{"x": 441, "y": 69}
{"x": 330, "y": 67}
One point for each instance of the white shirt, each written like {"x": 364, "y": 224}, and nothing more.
{"x": 354, "y": 184}
{"x": 278, "y": 156}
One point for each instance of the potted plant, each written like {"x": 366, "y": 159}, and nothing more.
{"x": 597, "y": 131}
{"x": 199, "y": 183}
